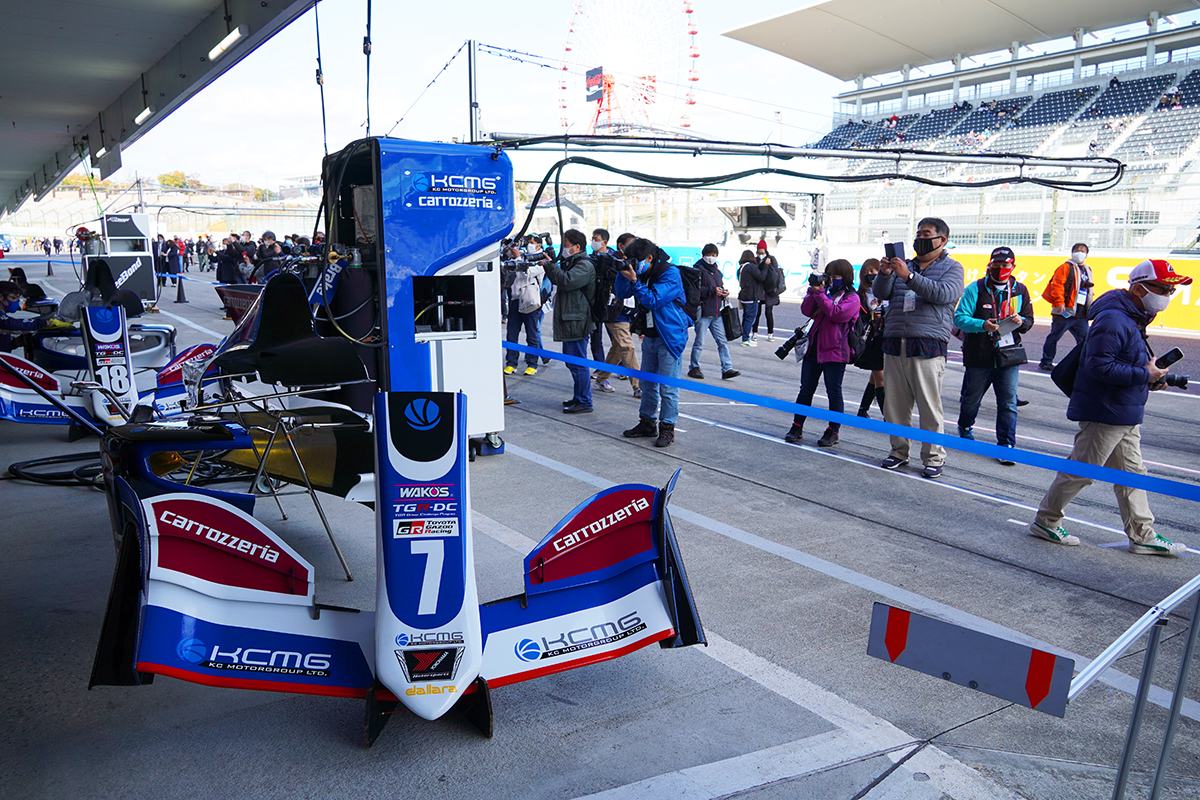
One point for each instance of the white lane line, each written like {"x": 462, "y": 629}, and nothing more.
{"x": 860, "y": 733}
{"x": 1112, "y": 677}
{"x": 902, "y": 474}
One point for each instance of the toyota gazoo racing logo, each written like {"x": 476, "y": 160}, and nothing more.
{"x": 253, "y": 659}
{"x": 422, "y": 414}
{"x": 429, "y": 638}
{"x": 448, "y": 190}
{"x": 568, "y": 642}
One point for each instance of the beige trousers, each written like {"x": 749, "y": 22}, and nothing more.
{"x": 1116, "y": 446}
{"x": 622, "y": 351}
{"x": 915, "y": 380}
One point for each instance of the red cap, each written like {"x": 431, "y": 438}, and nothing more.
{"x": 1155, "y": 269}
{"x": 762, "y": 244}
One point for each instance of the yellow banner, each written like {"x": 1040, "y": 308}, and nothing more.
{"x": 1107, "y": 273}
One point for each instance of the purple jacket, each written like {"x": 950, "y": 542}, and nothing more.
{"x": 831, "y": 324}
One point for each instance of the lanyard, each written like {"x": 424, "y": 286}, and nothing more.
{"x": 1001, "y": 307}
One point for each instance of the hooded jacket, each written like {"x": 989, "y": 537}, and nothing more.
{"x": 664, "y": 296}
{"x": 832, "y": 319}
{"x": 1112, "y": 383}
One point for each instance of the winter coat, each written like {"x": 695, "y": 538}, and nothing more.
{"x": 832, "y": 319}
{"x": 750, "y": 283}
{"x": 976, "y": 306}
{"x": 527, "y": 289}
{"x": 664, "y": 296}
{"x": 771, "y": 298}
{"x": 1112, "y": 384}
{"x": 576, "y": 282}
{"x": 711, "y": 279}
{"x": 938, "y": 287}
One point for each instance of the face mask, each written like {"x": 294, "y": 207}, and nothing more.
{"x": 870, "y": 276}
{"x": 836, "y": 284}
{"x": 761, "y": 256}
{"x": 15, "y": 305}
{"x": 710, "y": 259}
{"x": 999, "y": 275}
{"x": 597, "y": 246}
{"x": 1155, "y": 303}
{"x": 1079, "y": 256}
{"x": 924, "y": 247}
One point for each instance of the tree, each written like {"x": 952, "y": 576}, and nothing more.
{"x": 174, "y": 180}
{"x": 263, "y": 195}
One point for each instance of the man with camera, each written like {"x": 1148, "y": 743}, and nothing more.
{"x": 523, "y": 280}
{"x": 1116, "y": 374}
{"x": 576, "y": 282}
{"x": 620, "y": 311}
{"x": 921, "y": 295}
{"x": 1069, "y": 294}
{"x": 993, "y": 313}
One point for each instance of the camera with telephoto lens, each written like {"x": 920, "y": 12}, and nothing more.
{"x": 790, "y": 344}
{"x": 1177, "y": 381}
{"x": 815, "y": 280}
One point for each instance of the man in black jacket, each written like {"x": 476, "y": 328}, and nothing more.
{"x": 712, "y": 295}
{"x": 992, "y": 354}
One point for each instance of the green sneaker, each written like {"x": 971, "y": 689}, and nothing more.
{"x": 1058, "y": 535}
{"x": 1158, "y": 547}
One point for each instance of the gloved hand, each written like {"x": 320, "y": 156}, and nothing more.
{"x": 53, "y": 323}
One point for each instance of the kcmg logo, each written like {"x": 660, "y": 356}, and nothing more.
{"x": 423, "y": 414}
{"x": 192, "y": 650}
{"x": 528, "y": 650}
{"x": 402, "y": 640}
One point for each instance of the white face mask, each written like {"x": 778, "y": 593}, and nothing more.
{"x": 597, "y": 246}
{"x": 1155, "y": 303}
{"x": 1079, "y": 256}
{"x": 710, "y": 259}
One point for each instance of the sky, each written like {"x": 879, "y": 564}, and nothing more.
{"x": 260, "y": 123}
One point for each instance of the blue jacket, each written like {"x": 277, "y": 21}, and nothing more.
{"x": 670, "y": 320}
{"x": 1113, "y": 383}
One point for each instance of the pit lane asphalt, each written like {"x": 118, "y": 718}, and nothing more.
{"x": 784, "y": 703}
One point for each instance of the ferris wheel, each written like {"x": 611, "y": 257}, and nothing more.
{"x": 630, "y": 66}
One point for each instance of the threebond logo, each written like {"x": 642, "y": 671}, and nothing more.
{"x": 528, "y": 650}
{"x": 422, "y": 414}
{"x": 192, "y": 650}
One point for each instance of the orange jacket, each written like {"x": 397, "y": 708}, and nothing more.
{"x": 1063, "y": 284}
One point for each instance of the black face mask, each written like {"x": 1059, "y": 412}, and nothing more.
{"x": 924, "y": 247}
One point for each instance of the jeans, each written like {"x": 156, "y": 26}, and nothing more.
{"x": 656, "y": 358}
{"x": 716, "y": 326}
{"x": 1058, "y": 326}
{"x": 810, "y": 372}
{"x": 581, "y": 375}
{"x": 531, "y": 322}
{"x": 1004, "y": 383}
{"x": 749, "y": 317}
{"x": 596, "y": 338}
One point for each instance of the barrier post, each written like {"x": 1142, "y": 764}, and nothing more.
{"x": 49, "y": 269}
{"x": 1176, "y": 701}
{"x": 179, "y": 296}
{"x": 1139, "y": 708}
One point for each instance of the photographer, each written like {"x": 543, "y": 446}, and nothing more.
{"x": 833, "y": 306}
{"x": 992, "y": 358}
{"x": 618, "y": 317}
{"x": 750, "y": 294}
{"x": 576, "y": 282}
{"x": 524, "y": 310}
{"x": 650, "y": 277}
{"x": 1115, "y": 377}
{"x": 1069, "y": 294}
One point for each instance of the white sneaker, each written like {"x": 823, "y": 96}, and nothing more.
{"x": 1158, "y": 547}
{"x": 1058, "y": 535}
{"x": 770, "y": 337}
{"x": 750, "y": 343}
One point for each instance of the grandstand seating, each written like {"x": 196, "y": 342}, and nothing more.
{"x": 1128, "y": 98}
{"x": 1165, "y": 134}
{"x": 985, "y": 119}
{"x": 839, "y": 137}
{"x": 933, "y": 124}
{"x": 1189, "y": 87}
{"x": 1055, "y": 107}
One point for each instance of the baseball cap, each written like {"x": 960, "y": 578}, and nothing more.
{"x": 1004, "y": 254}
{"x": 1155, "y": 269}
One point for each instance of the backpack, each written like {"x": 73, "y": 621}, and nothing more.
{"x": 691, "y": 290}
{"x": 856, "y": 338}
{"x": 780, "y": 279}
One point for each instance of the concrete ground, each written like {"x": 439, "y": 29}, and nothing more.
{"x": 787, "y": 548}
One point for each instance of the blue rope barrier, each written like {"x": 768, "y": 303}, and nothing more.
{"x": 1171, "y": 488}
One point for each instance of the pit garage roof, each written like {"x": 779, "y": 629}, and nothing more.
{"x": 74, "y": 74}
{"x": 846, "y": 38}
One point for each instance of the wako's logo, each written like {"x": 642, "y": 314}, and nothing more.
{"x": 192, "y": 650}
{"x": 402, "y": 640}
{"x": 528, "y": 650}
{"x": 423, "y": 414}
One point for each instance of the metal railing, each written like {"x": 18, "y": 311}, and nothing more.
{"x": 1153, "y": 621}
